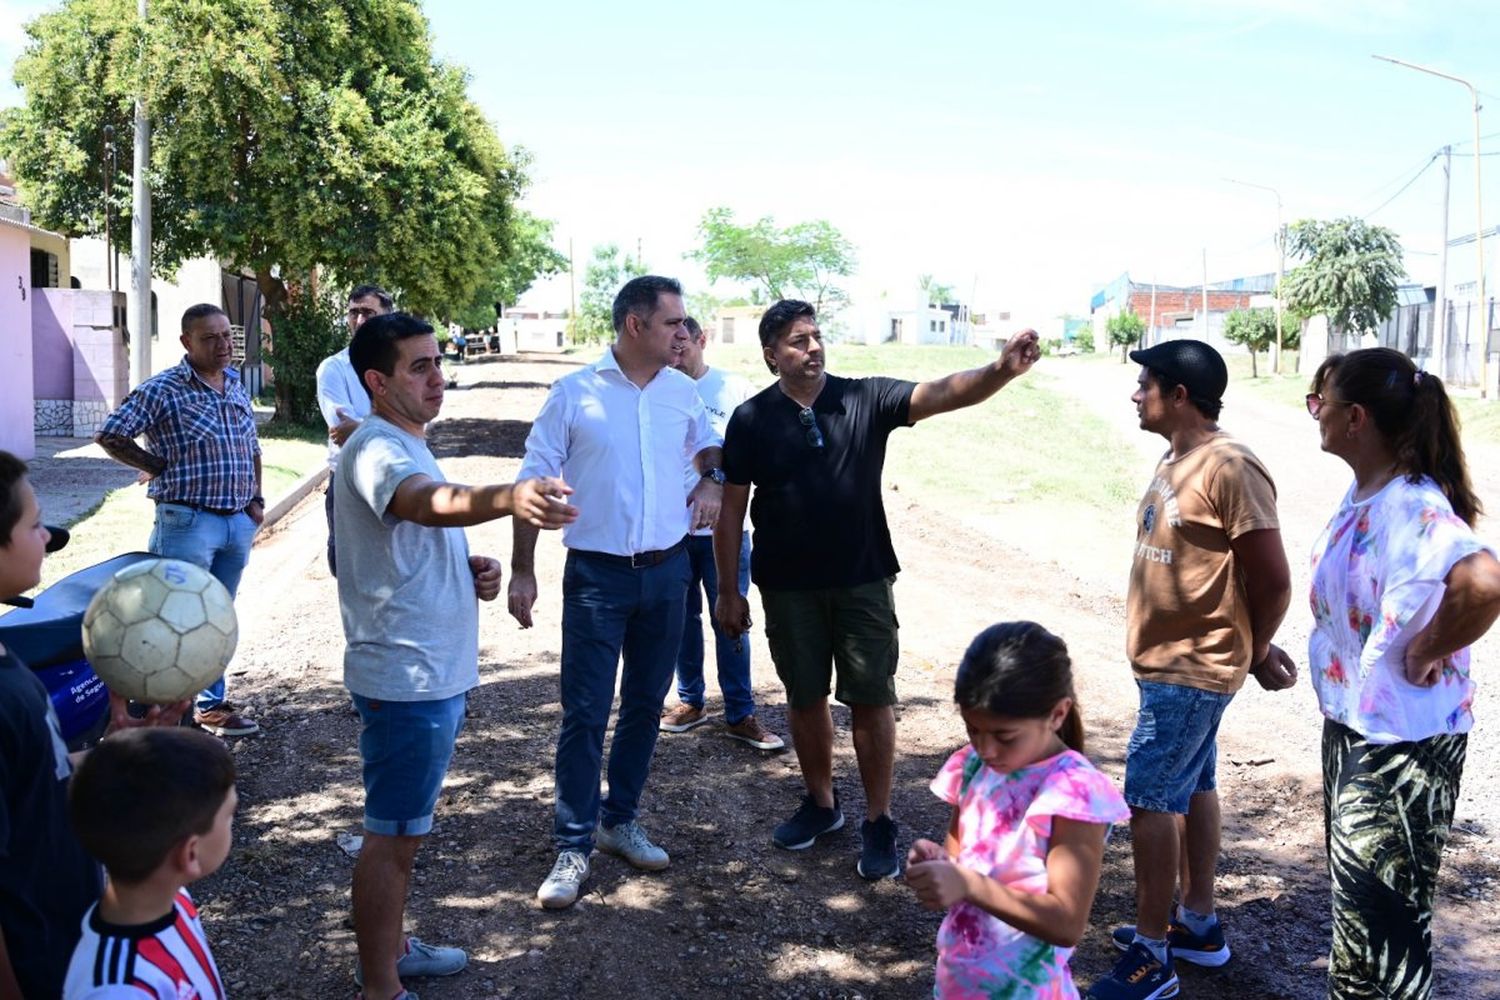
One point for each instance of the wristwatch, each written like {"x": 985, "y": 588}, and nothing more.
{"x": 716, "y": 474}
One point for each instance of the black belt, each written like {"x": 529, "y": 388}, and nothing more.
{"x": 203, "y": 507}
{"x": 641, "y": 560}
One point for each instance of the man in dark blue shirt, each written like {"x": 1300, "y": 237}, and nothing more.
{"x": 813, "y": 444}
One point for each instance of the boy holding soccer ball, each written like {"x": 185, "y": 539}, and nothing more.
{"x": 46, "y": 879}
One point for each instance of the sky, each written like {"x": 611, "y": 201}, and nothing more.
{"x": 1025, "y": 154}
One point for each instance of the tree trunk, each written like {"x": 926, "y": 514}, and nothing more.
{"x": 273, "y": 290}
{"x": 1254, "y": 373}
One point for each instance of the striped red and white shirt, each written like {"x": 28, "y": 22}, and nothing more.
{"x": 167, "y": 959}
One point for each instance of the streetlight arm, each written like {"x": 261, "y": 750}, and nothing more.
{"x": 1446, "y": 76}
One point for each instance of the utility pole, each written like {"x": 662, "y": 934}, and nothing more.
{"x": 1205, "y": 294}
{"x": 111, "y": 259}
{"x": 572, "y": 296}
{"x": 140, "y": 232}
{"x": 1280, "y": 265}
{"x": 1484, "y": 323}
{"x": 1440, "y": 318}
{"x": 1151, "y": 330}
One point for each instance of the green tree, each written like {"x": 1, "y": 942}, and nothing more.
{"x": 1350, "y": 272}
{"x": 1124, "y": 329}
{"x": 289, "y": 138}
{"x": 1254, "y": 328}
{"x": 528, "y": 255}
{"x": 800, "y": 261}
{"x": 602, "y": 278}
{"x": 936, "y": 292}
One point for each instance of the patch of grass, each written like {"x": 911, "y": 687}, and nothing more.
{"x": 122, "y": 521}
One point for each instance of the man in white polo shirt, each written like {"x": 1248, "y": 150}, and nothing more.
{"x": 618, "y": 430}
{"x": 721, "y": 392}
{"x": 341, "y": 398}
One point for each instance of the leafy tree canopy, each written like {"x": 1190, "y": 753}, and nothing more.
{"x": 1350, "y": 272}
{"x": 1254, "y": 328}
{"x": 937, "y": 293}
{"x": 602, "y": 278}
{"x": 289, "y": 137}
{"x": 1124, "y": 329}
{"x": 800, "y": 261}
{"x": 528, "y": 255}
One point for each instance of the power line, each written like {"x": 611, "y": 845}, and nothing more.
{"x": 1404, "y": 187}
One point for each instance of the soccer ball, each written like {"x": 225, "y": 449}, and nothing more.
{"x": 160, "y": 631}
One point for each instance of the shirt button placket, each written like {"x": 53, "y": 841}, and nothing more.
{"x": 648, "y": 479}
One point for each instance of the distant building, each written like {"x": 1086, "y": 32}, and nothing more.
{"x": 1174, "y": 311}
{"x": 735, "y": 325}
{"x": 533, "y": 330}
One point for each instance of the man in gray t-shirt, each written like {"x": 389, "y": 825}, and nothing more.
{"x": 408, "y": 594}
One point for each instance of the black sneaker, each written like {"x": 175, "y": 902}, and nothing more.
{"x": 877, "y": 854}
{"x": 807, "y": 824}
{"x": 1208, "y": 950}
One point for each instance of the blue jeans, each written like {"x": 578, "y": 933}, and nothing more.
{"x": 733, "y": 657}
{"x": 610, "y": 609}
{"x": 220, "y": 543}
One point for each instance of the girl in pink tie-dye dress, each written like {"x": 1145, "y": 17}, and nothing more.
{"x": 1021, "y": 862}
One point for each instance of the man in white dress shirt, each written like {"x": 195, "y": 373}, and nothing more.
{"x": 618, "y": 431}
{"x": 341, "y": 399}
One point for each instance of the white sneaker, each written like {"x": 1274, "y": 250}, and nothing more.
{"x": 562, "y": 885}
{"x": 630, "y": 842}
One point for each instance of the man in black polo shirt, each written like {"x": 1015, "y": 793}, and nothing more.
{"x": 813, "y": 444}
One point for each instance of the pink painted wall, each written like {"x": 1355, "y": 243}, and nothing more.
{"x": 16, "y": 412}
{"x": 51, "y": 348}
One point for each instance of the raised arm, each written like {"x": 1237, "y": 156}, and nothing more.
{"x": 961, "y": 389}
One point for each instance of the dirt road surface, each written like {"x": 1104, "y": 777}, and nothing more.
{"x": 734, "y": 916}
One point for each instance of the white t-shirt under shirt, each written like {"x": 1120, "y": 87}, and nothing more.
{"x": 721, "y": 392}
{"x": 168, "y": 959}
{"x": 406, "y": 593}
{"x": 339, "y": 389}
{"x": 1378, "y": 571}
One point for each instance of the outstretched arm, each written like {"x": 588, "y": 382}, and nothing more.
{"x": 961, "y": 389}
{"x": 539, "y": 502}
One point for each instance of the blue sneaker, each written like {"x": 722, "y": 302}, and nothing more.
{"x": 1208, "y": 950}
{"x": 807, "y": 824}
{"x": 1137, "y": 976}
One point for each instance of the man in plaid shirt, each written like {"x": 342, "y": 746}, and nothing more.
{"x": 202, "y": 462}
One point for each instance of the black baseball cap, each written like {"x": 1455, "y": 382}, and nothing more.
{"x": 1190, "y": 363}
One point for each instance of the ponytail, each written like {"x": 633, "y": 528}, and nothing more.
{"x": 1430, "y": 446}
{"x": 1072, "y": 728}
{"x": 1414, "y": 415}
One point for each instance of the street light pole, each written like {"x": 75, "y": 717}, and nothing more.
{"x": 1484, "y": 323}
{"x": 140, "y": 232}
{"x": 1280, "y": 264}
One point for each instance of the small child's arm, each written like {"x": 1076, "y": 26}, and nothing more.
{"x": 1058, "y": 916}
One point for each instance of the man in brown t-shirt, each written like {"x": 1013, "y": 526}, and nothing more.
{"x": 1209, "y": 585}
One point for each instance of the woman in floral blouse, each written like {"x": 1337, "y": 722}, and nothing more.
{"x": 1401, "y": 588}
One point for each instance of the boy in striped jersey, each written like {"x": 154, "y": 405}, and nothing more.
{"x": 155, "y": 807}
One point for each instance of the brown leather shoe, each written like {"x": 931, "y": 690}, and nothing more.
{"x": 681, "y": 717}
{"x": 749, "y": 730}
{"x": 224, "y": 720}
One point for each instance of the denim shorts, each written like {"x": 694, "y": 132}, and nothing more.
{"x": 405, "y": 747}
{"x": 1172, "y": 752}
